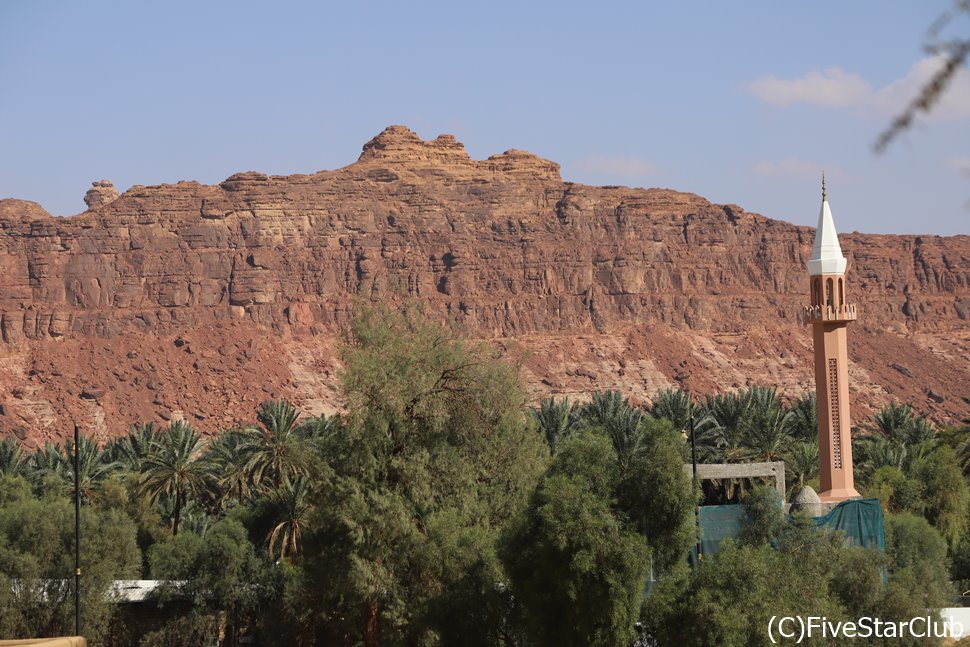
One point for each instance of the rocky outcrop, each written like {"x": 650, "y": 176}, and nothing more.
{"x": 100, "y": 194}
{"x": 605, "y": 287}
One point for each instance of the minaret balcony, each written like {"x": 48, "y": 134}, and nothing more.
{"x": 828, "y": 314}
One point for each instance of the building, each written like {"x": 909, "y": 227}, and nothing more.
{"x": 829, "y": 315}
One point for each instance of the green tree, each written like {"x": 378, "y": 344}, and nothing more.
{"x": 674, "y": 405}
{"x": 175, "y": 469}
{"x": 434, "y": 459}
{"x": 731, "y": 596}
{"x": 906, "y": 466}
{"x": 945, "y": 494}
{"x": 605, "y": 406}
{"x": 556, "y": 419}
{"x": 13, "y": 462}
{"x": 276, "y": 448}
{"x": 131, "y": 450}
{"x": 221, "y": 573}
{"x": 654, "y": 492}
{"x": 292, "y": 503}
{"x": 229, "y": 457}
{"x": 804, "y": 418}
{"x": 762, "y": 516}
{"x": 37, "y": 553}
{"x": 720, "y": 437}
{"x": 801, "y": 463}
{"x": 896, "y": 492}
{"x": 911, "y": 542}
{"x": 577, "y": 569}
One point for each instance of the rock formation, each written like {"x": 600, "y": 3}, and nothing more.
{"x": 100, "y": 194}
{"x": 201, "y": 301}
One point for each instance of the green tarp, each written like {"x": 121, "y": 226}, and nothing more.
{"x": 860, "y": 520}
{"x": 718, "y": 522}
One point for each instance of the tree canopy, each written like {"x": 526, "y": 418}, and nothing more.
{"x": 442, "y": 507}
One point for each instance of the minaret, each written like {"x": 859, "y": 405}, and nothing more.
{"x": 829, "y": 315}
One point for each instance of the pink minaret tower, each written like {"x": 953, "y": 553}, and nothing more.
{"x": 829, "y": 316}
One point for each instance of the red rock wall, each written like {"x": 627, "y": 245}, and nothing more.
{"x": 641, "y": 288}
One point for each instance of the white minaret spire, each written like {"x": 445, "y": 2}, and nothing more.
{"x": 827, "y": 255}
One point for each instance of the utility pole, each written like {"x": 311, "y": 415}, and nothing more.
{"x": 77, "y": 532}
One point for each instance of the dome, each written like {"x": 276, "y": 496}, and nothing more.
{"x": 807, "y": 501}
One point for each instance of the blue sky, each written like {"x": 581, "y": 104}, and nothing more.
{"x": 739, "y": 102}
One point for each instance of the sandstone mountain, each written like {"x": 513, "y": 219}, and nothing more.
{"x": 201, "y": 301}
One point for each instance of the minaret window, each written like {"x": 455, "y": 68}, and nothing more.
{"x": 841, "y": 294}
{"x": 834, "y": 413}
{"x": 829, "y": 296}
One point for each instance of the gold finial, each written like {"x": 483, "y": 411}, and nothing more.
{"x": 823, "y": 186}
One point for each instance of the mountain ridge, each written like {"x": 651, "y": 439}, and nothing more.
{"x": 227, "y": 294}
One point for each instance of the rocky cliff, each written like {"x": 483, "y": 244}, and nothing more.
{"x": 201, "y": 301}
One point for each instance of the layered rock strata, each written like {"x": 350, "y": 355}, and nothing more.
{"x": 200, "y": 301}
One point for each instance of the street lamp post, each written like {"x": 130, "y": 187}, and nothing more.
{"x": 77, "y": 532}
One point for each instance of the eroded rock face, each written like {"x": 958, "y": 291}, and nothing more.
{"x": 100, "y": 194}
{"x": 605, "y": 287}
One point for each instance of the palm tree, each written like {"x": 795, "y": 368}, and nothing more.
{"x": 13, "y": 462}
{"x": 229, "y": 456}
{"x": 720, "y": 434}
{"x": 46, "y": 460}
{"x": 919, "y": 430}
{"x": 962, "y": 434}
{"x": 741, "y": 426}
{"x": 892, "y": 419}
{"x": 292, "y": 500}
{"x": 874, "y": 451}
{"x": 195, "y": 519}
{"x": 963, "y": 455}
{"x": 319, "y": 427}
{"x": 766, "y": 426}
{"x": 603, "y": 406}
{"x": 801, "y": 463}
{"x": 805, "y": 417}
{"x": 132, "y": 449}
{"x": 276, "y": 449}
{"x": 556, "y": 419}
{"x": 898, "y": 439}
{"x": 626, "y": 434}
{"x": 318, "y": 432}
{"x": 94, "y": 466}
{"x": 674, "y": 405}
{"x": 175, "y": 469}
{"x": 762, "y": 399}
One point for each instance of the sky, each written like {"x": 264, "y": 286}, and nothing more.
{"x": 742, "y": 102}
